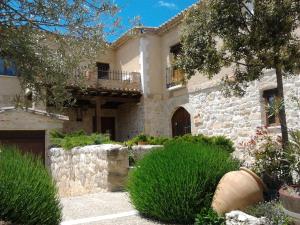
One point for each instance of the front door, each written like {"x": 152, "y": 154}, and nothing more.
{"x": 181, "y": 122}
{"x": 108, "y": 126}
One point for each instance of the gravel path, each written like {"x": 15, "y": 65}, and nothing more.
{"x": 102, "y": 209}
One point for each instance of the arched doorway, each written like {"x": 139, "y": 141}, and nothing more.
{"x": 181, "y": 122}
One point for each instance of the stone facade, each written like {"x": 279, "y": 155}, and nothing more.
{"x": 130, "y": 120}
{"x": 146, "y": 53}
{"x": 89, "y": 169}
{"x": 214, "y": 114}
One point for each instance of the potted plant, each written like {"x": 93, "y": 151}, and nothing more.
{"x": 290, "y": 194}
{"x": 142, "y": 139}
{"x": 290, "y": 199}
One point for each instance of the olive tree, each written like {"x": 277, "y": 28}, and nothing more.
{"x": 48, "y": 41}
{"x": 247, "y": 35}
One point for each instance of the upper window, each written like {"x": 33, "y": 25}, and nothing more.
{"x": 176, "y": 49}
{"x": 7, "y": 68}
{"x": 103, "y": 70}
{"x": 271, "y": 104}
{"x": 174, "y": 75}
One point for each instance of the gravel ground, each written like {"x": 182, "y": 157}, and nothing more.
{"x": 102, "y": 209}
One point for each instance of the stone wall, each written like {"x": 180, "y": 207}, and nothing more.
{"x": 89, "y": 169}
{"x": 213, "y": 114}
{"x": 238, "y": 117}
{"x": 130, "y": 120}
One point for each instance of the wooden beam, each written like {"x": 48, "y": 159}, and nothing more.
{"x": 98, "y": 114}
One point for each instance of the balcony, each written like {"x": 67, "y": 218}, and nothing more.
{"x": 114, "y": 80}
{"x": 174, "y": 77}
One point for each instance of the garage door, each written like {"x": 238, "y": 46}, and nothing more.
{"x": 27, "y": 141}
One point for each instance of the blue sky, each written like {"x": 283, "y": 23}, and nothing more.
{"x": 152, "y": 12}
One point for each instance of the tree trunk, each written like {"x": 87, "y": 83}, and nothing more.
{"x": 282, "y": 115}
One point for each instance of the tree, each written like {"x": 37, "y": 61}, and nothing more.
{"x": 249, "y": 36}
{"x": 51, "y": 41}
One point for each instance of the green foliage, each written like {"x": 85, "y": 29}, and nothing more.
{"x": 28, "y": 195}
{"x": 221, "y": 141}
{"x": 293, "y": 154}
{"x": 141, "y": 137}
{"x": 270, "y": 159}
{"x": 76, "y": 139}
{"x": 173, "y": 183}
{"x": 250, "y": 40}
{"x": 272, "y": 210}
{"x": 148, "y": 139}
{"x": 272, "y": 163}
{"x": 209, "y": 217}
{"x": 54, "y": 38}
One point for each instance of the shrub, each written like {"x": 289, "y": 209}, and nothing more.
{"x": 151, "y": 140}
{"x": 75, "y": 139}
{"x": 221, "y": 141}
{"x": 272, "y": 210}
{"x": 293, "y": 155}
{"x": 271, "y": 162}
{"x": 27, "y": 192}
{"x": 209, "y": 217}
{"x": 173, "y": 183}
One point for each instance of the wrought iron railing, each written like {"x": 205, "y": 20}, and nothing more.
{"x": 123, "y": 76}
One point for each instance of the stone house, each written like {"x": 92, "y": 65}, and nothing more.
{"x": 135, "y": 89}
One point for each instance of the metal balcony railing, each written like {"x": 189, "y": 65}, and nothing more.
{"x": 123, "y": 76}
{"x": 174, "y": 77}
{"x": 113, "y": 79}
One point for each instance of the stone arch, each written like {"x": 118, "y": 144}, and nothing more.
{"x": 181, "y": 122}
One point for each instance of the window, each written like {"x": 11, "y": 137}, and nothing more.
{"x": 103, "y": 70}
{"x": 176, "y": 50}
{"x": 271, "y": 103}
{"x": 174, "y": 75}
{"x": 7, "y": 68}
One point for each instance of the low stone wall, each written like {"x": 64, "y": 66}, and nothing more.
{"x": 89, "y": 169}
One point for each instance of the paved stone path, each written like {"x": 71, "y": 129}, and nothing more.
{"x": 102, "y": 209}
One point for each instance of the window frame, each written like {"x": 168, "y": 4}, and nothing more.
{"x": 266, "y": 95}
{"x": 103, "y": 73}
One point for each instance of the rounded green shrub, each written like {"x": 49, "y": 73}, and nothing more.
{"x": 174, "y": 183}
{"x": 28, "y": 195}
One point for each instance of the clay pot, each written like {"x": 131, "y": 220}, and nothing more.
{"x": 290, "y": 203}
{"x": 238, "y": 190}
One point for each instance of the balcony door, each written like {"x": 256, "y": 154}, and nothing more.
{"x": 103, "y": 71}
{"x": 181, "y": 122}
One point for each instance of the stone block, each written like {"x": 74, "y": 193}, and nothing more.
{"x": 241, "y": 218}
{"x": 89, "y": 169}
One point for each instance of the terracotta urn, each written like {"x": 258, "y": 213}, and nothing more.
{"x": 238, "y": 190}
{"x": 291, "y": 202}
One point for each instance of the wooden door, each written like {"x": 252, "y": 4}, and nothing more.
{"x": 181, "y": 122}
{"x": 108, "y": 126}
